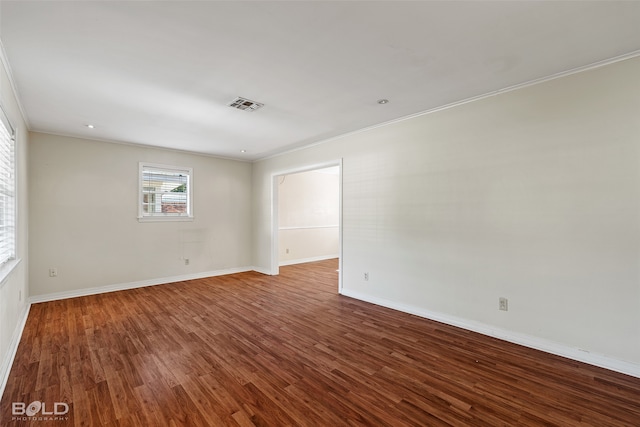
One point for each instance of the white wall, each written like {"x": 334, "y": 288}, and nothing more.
{"x": 308, "y": 216}
{"x": 83, "y": 196}
{"x": 532, "y": 195}
{"x": 14, "y": 289}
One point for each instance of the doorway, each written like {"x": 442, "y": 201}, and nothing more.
{"x": 307, "y": 216}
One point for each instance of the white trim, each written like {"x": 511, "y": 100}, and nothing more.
{"x": 274, "y": 263}
{"x": 10, "y": 355}
{"x": 341, "y": 225}
{"x": 7, "y": 268}
{"x": 12, "y": 82}
{"x": 311, "y": 259}
{"x": 8, "y": 264}
{"x": 547, "y": 346}
{"x": 159, "y": 217}
{"x": 308, "y": 227}
{"x": 261, "y": 270}
{"x": 594, "y": 65}
{"x": 275, "y": 225}
{"x": 309, "y": 168}
{"x": 7, "y": 363}
{"x": 137, "y": 145}
{"x": 132, "y": 285}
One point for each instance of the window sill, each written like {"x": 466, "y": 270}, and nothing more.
{"x": 6, "y": 270}
{"x": 165, "y": 218}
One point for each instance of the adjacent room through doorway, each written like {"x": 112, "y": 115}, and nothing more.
{"x": 307, "y": 215}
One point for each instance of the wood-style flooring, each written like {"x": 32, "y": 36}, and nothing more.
{"x": 255, "y": 350}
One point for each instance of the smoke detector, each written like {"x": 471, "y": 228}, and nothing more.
{"x": 245, "y": 104}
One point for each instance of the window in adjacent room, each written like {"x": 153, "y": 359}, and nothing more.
{"x": 7, "y": 192}
{"x": 165, "y": 193}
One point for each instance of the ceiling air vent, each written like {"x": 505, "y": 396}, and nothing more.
{"x": 245, "y": 104}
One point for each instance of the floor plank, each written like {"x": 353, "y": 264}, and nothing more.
{"x": 255, "y": 350}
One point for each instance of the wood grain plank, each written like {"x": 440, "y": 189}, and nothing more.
{"x": 254, "y": 350}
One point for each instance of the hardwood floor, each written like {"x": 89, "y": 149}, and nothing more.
{"x": 248, "y": 349}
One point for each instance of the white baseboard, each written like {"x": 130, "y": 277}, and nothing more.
{"x": 514, "y": 337}
{"x": 132, "y": 285}
{"x": 5, "y": 368}
{"x": 547, "y": 346}
{"x": 312, "y": 259}
{"x": 262, "y": 270}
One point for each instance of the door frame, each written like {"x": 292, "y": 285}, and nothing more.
{"x": 275, "y": 177}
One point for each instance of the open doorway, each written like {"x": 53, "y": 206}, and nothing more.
{"x": 307, "y": 216}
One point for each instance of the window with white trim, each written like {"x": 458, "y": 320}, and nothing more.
{"x": 164, "y": 193}
{"x": 7, "y": 191}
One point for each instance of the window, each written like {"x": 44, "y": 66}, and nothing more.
{"x": 165, "y": 193}
{"x": 7, "y": 191}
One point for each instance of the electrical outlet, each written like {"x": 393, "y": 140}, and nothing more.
{"x": 186, "y": 261}
{"x": 53, "y": 272}
{"x": 503, "y": 304}
{"x": 366, "y": 277}
{"x": 287, "y": 250}
{"x": 20, "y": 295}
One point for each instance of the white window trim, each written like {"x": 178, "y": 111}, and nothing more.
{"x": 165, "y": 218}
{"x": 7, "y": 267}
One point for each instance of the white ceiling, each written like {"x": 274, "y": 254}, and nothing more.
{"x": 161, "y": 73}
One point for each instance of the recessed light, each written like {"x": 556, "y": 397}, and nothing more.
{"x": 90, "y": 126}
{"x": 383, "y": 101}
{"x": 243, "y": 151}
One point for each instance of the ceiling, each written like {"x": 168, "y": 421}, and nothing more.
{"x": 161, "y": 73}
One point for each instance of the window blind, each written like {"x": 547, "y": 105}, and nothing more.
{"x": 7, "y": 191}
{"x": 165, "y": 192}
